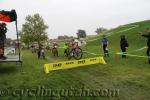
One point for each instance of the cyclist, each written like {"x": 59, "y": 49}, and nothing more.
{"x": 74, "y": 43}
{"x": 54, "y": 49}
{"x": 75, "y": 46}
{"x": 66, "y": 47}
{"x": 71, "y": 44}
{"x": 72, "y": 49}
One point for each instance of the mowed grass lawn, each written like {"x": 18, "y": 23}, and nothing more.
{"x": 131, "y": 76}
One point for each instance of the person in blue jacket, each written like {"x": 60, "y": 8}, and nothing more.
{"x": 105, "y": 46}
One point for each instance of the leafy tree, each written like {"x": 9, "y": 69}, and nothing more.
{"x": 34, "y": 30}
{"x": 26, "y": 36}
{"x": 81, "y": 33}
{"x": 100, "y": 30}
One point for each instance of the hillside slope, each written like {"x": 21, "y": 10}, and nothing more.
{"x": 132, "y": 33}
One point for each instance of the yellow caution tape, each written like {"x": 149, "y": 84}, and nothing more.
{"x": 73, "y": 64}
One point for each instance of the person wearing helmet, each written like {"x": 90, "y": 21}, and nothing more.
{"x": 105, "y": 45}
{"x": 123, "y": 45}
{"x": 72, "y": 43}
{"x": 148, "y": 44}
{"x": 55, "y": 49}
{"x": 66, "y": 48}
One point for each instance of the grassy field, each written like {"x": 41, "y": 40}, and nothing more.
{"x": 131, "y": 76}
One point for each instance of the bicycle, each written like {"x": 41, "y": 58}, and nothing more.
{"x": 74, "y": 53}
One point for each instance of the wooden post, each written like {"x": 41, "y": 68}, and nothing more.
{"x": 18, "y": 40}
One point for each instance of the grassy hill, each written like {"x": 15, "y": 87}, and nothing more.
{"x": 131, "y": 76}
{"x": 131, "y": 32}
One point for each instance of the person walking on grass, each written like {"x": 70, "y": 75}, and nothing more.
{"x": 55, "y": 49}
{"x": 123, "y": 45}
{"x": 148, "y": 44}
{"x": 105, "y": 46}
{"x": 39, "y": 52}
{"x": 43, "y": 53}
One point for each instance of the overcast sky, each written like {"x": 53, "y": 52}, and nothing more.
{"x": 65, "y": 17}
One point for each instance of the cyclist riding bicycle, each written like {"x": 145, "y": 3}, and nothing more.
{"x": 74, "y": 43}
{"x": 54, "y": 49}
{"x": 73, "y": 49}
{"x": 55, "y": 45}
{"x": 66, "y": 47}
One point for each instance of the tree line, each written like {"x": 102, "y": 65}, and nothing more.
{"x": 35, "y": 30}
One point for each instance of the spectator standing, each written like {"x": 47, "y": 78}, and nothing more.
{"x": 123, "y": 45}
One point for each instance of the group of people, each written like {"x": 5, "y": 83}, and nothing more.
{"x": 75, "y": 43}
{"x": 40, "y": 51}
{"x": 54, "y": 50}
{"x": 124, "y": 45}
{"x": 72, "y": 44}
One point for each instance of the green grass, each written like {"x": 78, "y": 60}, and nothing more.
{"x": 131, "y": 76}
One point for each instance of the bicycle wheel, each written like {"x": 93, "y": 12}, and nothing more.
{"x": 78, "y": 53}
{"x": 69, "y": 53}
